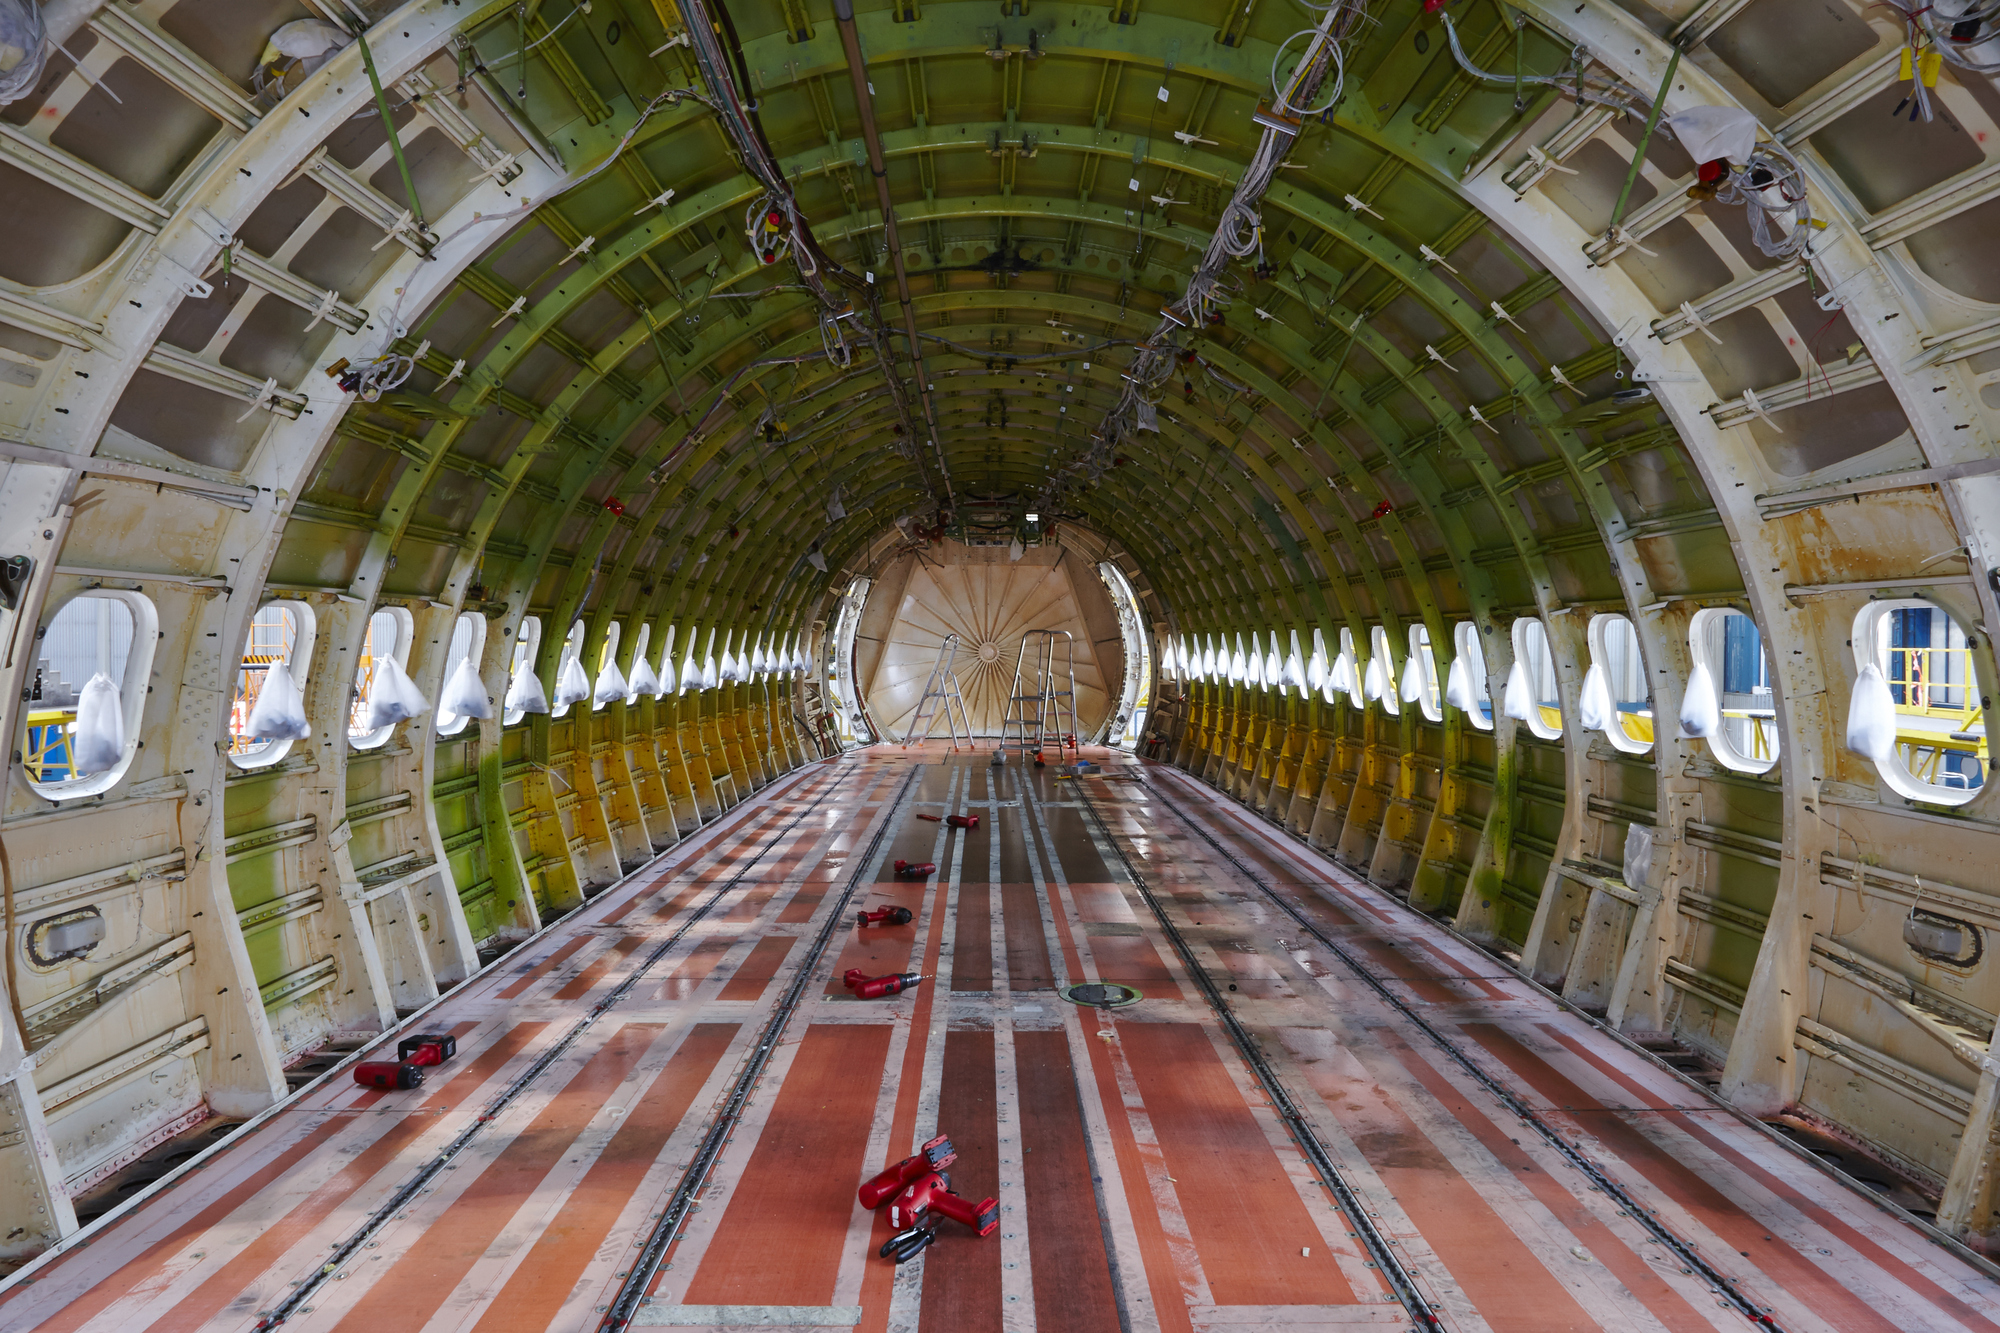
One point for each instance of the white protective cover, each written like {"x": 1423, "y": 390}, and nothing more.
{"x": 1596, "y": 706}
{"x": 1715, "y": 132}
{"x": 97, "y": 737}
{"x": 1638, "y": 855}
{"x": 525, "y": 693}
{"x": 1516, "y": 702}
{"x": 1458, "y": 687}
{"x": 1413, "y": 679}
{"x": 610, "y": 685}
{"x": 1373, "y": 683}
{"x": 464, "y": 694}
{"x": 279, "y": 713}
{"x": 1701, "y": 712}
{"x": 572, "y": 685}
{"x": 392, "y": 696}
{"x": 643, "y": 682}
{"x": 1871, "y": 716}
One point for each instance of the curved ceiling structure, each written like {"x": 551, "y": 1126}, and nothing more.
{"x": 672, "y": 322}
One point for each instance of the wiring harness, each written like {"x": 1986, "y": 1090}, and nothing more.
{"x": 1311, "y": 88}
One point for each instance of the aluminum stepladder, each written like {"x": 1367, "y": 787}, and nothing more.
{"x": 1043, "y": 694}
{"x": 940, "y": 696}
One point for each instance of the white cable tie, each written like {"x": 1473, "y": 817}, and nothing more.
{"x": 1435, "y": 258}
{"x": 324, "y": 310}
{"x": 1757, "y": 409}
{"x": 405, "y": 222}
{"x": 520, "y": 304}
{"x": 1556, "y": 374}
{"x": 266, "y": 399}
{"x": 1265, "y": 314}
{"x": 678, "y": 39}
{"x": 1164, "y": 202}
{"x": 457, "y": 369}
{"x": 1694, "y": 319}
{"x": 1474, "y": 409}
{"x": 500, "y": 168}
{"x": 1355, "y": 205}
{"x": 1438, "y": 357}
{"x": 658, "y": 201}
{"x": 1500, "y": 313}
{"x": 1187, "y": 138}
{"x": 582, "y": 248}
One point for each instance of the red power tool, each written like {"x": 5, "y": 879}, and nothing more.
{"x": 427, "y": 1048}
{"x": 885, "y": 916}
{"x": 962, "y": 821}
{"x": 388, "y": 1074}
{"x": 883, "y": 1186}
{"x": 866, "y": 987}
{"x": 933, "y": 1191}
{"x": 915, "y": 869}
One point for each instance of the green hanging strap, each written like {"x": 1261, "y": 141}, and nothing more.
{"x": 1639, "y": 153}
{"x": 389, "y": 126}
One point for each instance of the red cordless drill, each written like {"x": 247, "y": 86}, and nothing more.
{"x": 915, "y": 869}
{"x": 866, "y": 987}
{"x": 885, "y": 916}
{"x": 933, "y": 1191}
{"x": 883, "y": 1186}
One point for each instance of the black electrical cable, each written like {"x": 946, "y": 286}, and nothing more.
{"x": 1683, "y": 1250}
{"x": 694, "y": 1178}
{"x": 350, "y": 1245}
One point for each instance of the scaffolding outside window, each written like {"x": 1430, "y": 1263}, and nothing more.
{"x": 97, "y": 633}
{"x": 527, "y": 643}
{"x": 1465, "y": 638}
{"x": 1729, "y": 644}
{"x": 1531, "y": 650}
{"x": 1942, "y": 750}
{"x": 468, "y": 643}
{"x": 280, "y": 639}
{"x": 390, "y": 630}
{"x": 1614, "y": 648}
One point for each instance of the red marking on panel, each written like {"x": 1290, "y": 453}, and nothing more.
{"x": 780, "y": 1240}
{"x": 1066, "y": 1251}
{"x": 424, "y": 1275}
{"x": 536, "y": 971}
{"x": 583, "y": 982}
{"x": 1245, "y": 1215}
{"x": 1702, "y": 1201}
{"x": 962, "y": 1271}
{"x": 972, "y": 951}
{"x": 754, "y": 973}
{"x": 694, "y": 969}
{"x": 292, "y": 1220}
{"x": 533, "y": 1296}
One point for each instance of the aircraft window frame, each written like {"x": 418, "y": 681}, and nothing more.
{"x": 133, "y": 674}
{"x": 1431, "y": 699}
{"x": 1531, "y": 639}
{"x": 1381, "y": 651}
{"x": 475, "y": 625}
{"x": 1876, "y": 627}
{"x": 297, "y": 659}
{"x": 1604, "y": 653}
{"x": 359, "y": 737}
{"x": 1715, "y": 656}
{"x": 1465, "y": 638}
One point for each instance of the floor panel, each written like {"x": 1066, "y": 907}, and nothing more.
{"x": 1145, "y": 1177}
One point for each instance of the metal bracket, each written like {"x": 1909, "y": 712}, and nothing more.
{"x": 15, "y": 571}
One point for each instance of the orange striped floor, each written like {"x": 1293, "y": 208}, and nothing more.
{"x": 1143, "y": 1178}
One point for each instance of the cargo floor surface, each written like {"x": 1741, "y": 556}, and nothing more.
{"x": 1145, "y": 1178}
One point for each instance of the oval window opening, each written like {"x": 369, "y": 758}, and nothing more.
{"x": 58, "y": 939}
